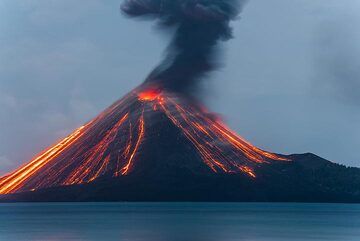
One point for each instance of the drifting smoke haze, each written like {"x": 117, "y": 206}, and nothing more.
{"x": 338, "y": 62}
{"x": 199, "y": 26}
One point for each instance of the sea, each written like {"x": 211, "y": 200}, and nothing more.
{"x": 179, "y": 221}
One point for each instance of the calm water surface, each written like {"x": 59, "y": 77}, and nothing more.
{"x": 178, "y": 221}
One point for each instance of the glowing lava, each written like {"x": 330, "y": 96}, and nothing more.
{"x": 111, "y": 144}
{"x": 149, "y": 95}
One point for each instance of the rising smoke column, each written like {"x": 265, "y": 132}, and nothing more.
{"x": 199, "y": 26}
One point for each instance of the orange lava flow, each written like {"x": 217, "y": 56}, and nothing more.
{"x": 14, "y": 180}
{"x": 85, "y": 172}
{"x": 204, "y": 132}
{"x": 126, "y": 168}
{"x": 110, "y": 145}
{"x": 87, "y": 160}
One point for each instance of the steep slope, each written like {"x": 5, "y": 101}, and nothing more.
{"x": 147, "y": 131}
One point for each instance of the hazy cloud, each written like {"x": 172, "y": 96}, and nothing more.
{"x": 338, "y": 59}
{"x": 6, "y": 163}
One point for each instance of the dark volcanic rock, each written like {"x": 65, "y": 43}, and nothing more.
{"x": 157, "y": 146}
{"x": 308, "y": 178}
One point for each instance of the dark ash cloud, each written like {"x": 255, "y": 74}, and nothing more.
{"x": 199, "y": 27}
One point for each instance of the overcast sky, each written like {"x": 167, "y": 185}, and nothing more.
{"x": 291, "y": 83}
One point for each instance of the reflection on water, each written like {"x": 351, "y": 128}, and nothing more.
{"x": 178, "y": 221}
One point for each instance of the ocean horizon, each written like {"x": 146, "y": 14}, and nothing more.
{"x": 178, "y": 221}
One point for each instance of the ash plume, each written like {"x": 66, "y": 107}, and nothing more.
{"x": 199, "y": 26}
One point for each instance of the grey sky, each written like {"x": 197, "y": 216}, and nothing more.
{"x": 290, "y": 84}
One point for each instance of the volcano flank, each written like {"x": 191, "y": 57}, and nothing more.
{"x": 147, "y": 131}
{"x": 156, "y": 145}
{"x": 159, "y": 143}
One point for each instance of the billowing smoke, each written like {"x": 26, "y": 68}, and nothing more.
{"x": 199, "y": 26}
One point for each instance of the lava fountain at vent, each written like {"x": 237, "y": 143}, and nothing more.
{"x": 112, "y": 143}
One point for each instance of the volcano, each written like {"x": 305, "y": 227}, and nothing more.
{"x": 157, "y": 145}
{"x": 146, "y": 131}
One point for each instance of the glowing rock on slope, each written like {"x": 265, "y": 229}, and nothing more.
{"x": 111, "y": 144}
